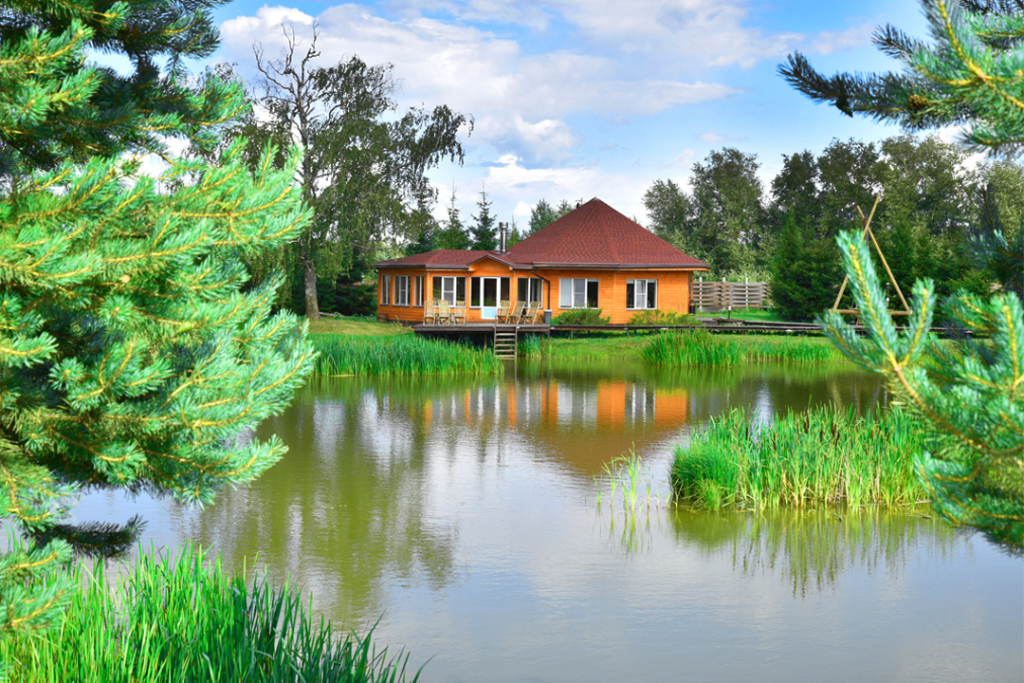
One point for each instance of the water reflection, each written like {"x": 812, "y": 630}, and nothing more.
{"x": 464, "y": 511}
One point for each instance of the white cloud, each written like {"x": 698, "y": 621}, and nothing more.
{"x": 711, "y": 137}
{"x": 520, "y": 100}
{"x": 828, "y": 42}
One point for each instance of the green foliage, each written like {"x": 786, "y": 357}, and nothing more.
{"x": 581, "y": 316}
{"x": 970, "y": 75}
{"x": 400, "y": 355}
{"x": 659, "y": 317}
{"x": 348, "y": 299}
{"x": 453, "y": 234}
{"x": 823, "y": 457}
{"x": 133, "y": 349}
{"x": 804, "y": 271}
{"x": 364, "y": 166}
{"x": 692, "y": 348}
{"x": 483, "y": 234}
{"x": 972, "y": 461}
{"x": 55, "y": 109}
{"x": 700, "y": 348}
{"x": 183, "y": 619}
{"x": 543, "y": 214}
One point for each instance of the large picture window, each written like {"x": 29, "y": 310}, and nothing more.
{"x": 385, "y": 290}
{"x": 451, "y": 289}
{"x": 641, "y": 294}
{"x": 488, "y": 291}
{"x": 530, "y": 289}
{"x": 401, "y": 290}
{"x": 419, "y": 291}
{"x": 577, "y": 293}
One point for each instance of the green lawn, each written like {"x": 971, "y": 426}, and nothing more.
{"x": 357, "y": 327}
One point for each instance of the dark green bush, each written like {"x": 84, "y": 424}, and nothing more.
{"x": 659, "y": 317}
{"x": 582, "y": 316}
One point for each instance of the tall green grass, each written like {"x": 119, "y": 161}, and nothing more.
{"x": 824, "y": 456}
{"x": 400, "y": 355}
{"x": 176, "y": 621}
{"x": 701, "y": 348}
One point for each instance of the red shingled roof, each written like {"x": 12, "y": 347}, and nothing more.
{"x": 443, "y": 258}
{"x": 596, "y": 234}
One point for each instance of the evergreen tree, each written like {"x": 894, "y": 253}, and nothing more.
{"x": 453, "y": 234}
{"x": 971, "y": 75}
{"x": 425, "y": 226}
{"x": 484, "y": 232}
{"x": 541, "y": 216}
{"x": 968, "y": 401}
{"x": 514, "y": 237}
{"x": 804, "y": 273}
{"x": 132, "y": 352}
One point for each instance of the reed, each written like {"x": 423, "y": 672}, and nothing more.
{"x": 400, "y": 355}
{"x": 176, "y": 620}
{"x": 822, "y": 457}
{"x": 628, "y": 480}
{"x": 701, "y": 348}
{"x": 692, "y": 348}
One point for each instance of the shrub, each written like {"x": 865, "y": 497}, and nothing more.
{"x": 582, "y": 316}
{"x": 659, "y": 317}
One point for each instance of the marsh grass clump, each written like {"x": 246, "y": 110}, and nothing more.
{"x": 628, "y": 481}
{"x": 400, "y": 355}
{"x": 178, "y": 620}
{"x": 692, "y": 348}
{"x": 822, "y": 457}
{"x": 700, "y": 348}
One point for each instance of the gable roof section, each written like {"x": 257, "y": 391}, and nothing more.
{"x": 442, "y": 258}
{"x": 595, "y": 234}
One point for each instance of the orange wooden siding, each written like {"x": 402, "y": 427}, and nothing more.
{"x": 673, "y": 288}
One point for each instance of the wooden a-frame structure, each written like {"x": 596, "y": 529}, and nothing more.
{"x": 868, "y": 232}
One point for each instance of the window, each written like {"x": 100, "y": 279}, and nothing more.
{"x": 385, "y": 291}
{"x": 401, "y": 290}
{"x": 577, "y": 293}
{"x": 451, "y": 289}
{"x": 484, "y": 291}
{"x": 419, "y": 291}
{"x": 530, "y": 289}
{"x": 641, "y": 294}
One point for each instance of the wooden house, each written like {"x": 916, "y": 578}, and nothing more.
{"x": 593, "y": 257}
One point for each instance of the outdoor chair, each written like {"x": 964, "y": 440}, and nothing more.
{"x": 503, "y": 312}
{"x": 531, "y": 314}
{"x": 516, "y": 313}
{"x": 444, "y": 312}
{"x": 458, "y": 313}
{"x": 428, "y": 312}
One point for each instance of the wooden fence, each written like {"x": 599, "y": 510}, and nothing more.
{"x": 723, "y": 296}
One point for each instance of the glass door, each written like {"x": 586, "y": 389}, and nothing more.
{"x": 489, "y": 301}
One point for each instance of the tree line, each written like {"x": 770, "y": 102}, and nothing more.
{"x": 933, "y": 200}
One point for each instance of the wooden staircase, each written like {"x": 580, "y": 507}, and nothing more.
{"x": 506, "y": 344}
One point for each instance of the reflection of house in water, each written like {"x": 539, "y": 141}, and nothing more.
{"x": 581, "y": 423}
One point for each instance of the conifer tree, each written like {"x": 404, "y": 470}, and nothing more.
{"x": 541, "y": 216}
{"x": 483, "y": 234}
{"x": 967, "y": 400}
{"x": 132, "y": 352}
{"x": 453, "y": 234}
{"x": 970, "y": 76}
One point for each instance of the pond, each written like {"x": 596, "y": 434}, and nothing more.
{"x": 462, "y": 517}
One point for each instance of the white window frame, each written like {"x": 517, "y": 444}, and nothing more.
{"x": 569, "y": 293}
{"x": 533, "y": 284}
{"x": 418, "y": 295}
{"x": 385, "y": 290}
{"x": 631, "y": 305}
{"x": 454, "y": 291}
{"x": 401, "y": 290}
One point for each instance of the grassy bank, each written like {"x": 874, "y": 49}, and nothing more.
{"x": 399, "y": 355}
{"x": 362, "y": 327}
{"x": 701, "y": 348}
{"x": 822, "y": 457}
{"x": 176, "y": 620}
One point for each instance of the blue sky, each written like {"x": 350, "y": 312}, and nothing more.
{"x": 581, "y": 98}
